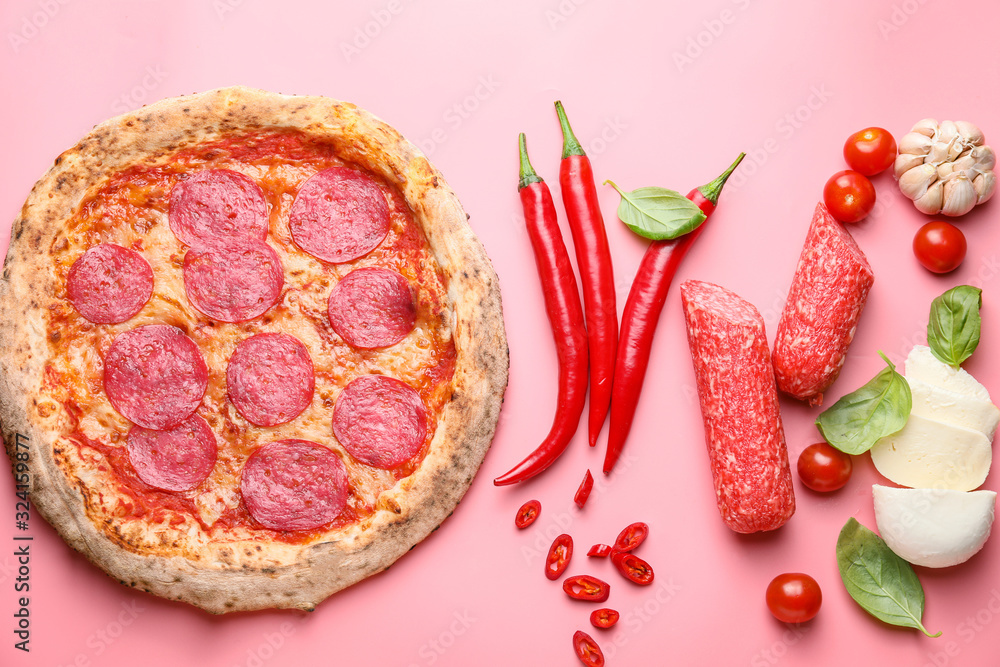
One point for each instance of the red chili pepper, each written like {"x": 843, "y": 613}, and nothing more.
{"x": 587, "y": 649}
{"x": 586, "y": 486}
{"x": 632, "y": 567}
{"x": 593, "y": 259}
{"x": 527, "y": 514}
{"x": 604, "y": 618}
{"x": 560, "y": 553}
{"x": 642, "y": 313}
{"x": 562, "y": 303}
{"x": 631, "y": 536}
{"x": 587, "y": 588}
{"x": 600, "y": 551}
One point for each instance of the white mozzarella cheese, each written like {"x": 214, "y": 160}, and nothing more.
{"x": 934, "y": 527}
{"x": 932, "y": 454}
{"x": 921, "y": 364}
{"x": 944, "y": 405}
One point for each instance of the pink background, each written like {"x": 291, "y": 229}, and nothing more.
{"x": 659, "y": 94}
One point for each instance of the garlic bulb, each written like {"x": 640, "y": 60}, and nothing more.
{"x": 945, "y": 167}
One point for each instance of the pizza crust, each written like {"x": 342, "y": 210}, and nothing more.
{"x": 248, "y": 575}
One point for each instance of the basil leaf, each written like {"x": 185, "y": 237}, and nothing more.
{"x": 880, "y": 581}
{"x": 954, "y": 325}
{"x": 880, "y": 408}
{"x": 658, "y": 213}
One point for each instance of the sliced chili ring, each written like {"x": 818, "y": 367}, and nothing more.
{"x": 586, "y": 486}
{"x": 632, "y": 536}
{"x": 559, "y": 554}
{"x": 587, "y": 588}
{"x": 587, "y": 649}
{"x": 632, "y": 567}
{"x": 603, "y": 618}
{"x": 599, "y": 551}
{"x": 527, "y": 513}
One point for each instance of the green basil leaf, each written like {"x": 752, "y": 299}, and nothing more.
{"x": 658, "y": 213}
{"x": 879, "y": 408}
{"x": 880, "y": 581}
{"x": 954, "y": 324}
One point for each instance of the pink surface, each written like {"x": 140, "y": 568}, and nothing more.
{"x": 659, "y": 94}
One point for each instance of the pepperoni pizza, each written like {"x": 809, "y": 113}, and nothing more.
{"x": 252, "y": 351}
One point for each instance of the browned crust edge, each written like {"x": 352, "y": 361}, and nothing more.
{"x": 467, "y": 423}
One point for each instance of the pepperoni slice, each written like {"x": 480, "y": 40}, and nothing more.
{"x": 234, "y": 282}
{"x": 294, "y": 485}
{"x": 177, "y": 459}
{"x": 270, "y": 378}
{"x": 381, "y": 421}
{"x": 217, "y": 205}
{"x": 155, "y": 376}
{"x": 109, "y": 284}
{"x": 372, "y": 308}
{"x": 338, "y": 215}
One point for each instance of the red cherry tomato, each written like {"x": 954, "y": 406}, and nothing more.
{"x": 870, "y": 151}
{"x": 559, "y": 554}
{"x": 794, "y": 597}
{"x": 632, "y": 536}
{"x": 940, "y": 246}
{"x": 823, "y": 467}
{"x": 599, "y": 551}
{"x": 587, "y": 588}
{"x": 586, "y": 486}
{"x": 632, "y": 568}
{"x": 849, "y": 196}
{"x": 603, "y": 618}
{"x": 587, "y": 649}
{"x": 527, "y": 514}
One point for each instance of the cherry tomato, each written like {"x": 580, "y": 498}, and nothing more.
{"x": 586, "y": 486}
{"x": 603, "y": 618}
{"x": 587, "y": 649}
{"x": 632, "y": 536}
{"x": 527, "y": 514}
{"x": 600, "y": 551}
{"x": 632, "y": 568}
{"x": 849, "y": 196}
{"x": 559, "y": 554}
{"x": 587, "y": 588}
{"x": 870, "y": 151}
{"x": 940, "y": 246}
{"x": 823, "y": 467}
{"x": 794, "y": 597}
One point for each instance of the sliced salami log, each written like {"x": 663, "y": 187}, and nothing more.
{"x": 177, "y": 459}
{"x": 380, "y": 421}
{"x": 739, "y": 405}
{"x": 372, "y": 307}
{"x": 821, "y": 314}
{"x": 338, "y": 215}
{"x": 155, "y": 376}
{"x": 270, "y": 378}
{"x": 217, "y": 205}
{"x": 294, "y": 485}
{"x": 234, "y": 282}
{"x": 109, "y": 284}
